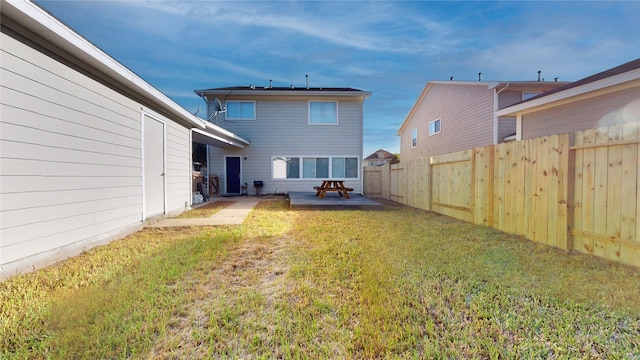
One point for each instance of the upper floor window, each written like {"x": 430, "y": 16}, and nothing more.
{"x": 529, "y": 94}
{"x": 434, "y": 126}
{"x": 414, "y": 138}
{"x": 241, "y": 110}
{"x": 323, "y": 112}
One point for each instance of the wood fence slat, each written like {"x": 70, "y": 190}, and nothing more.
{"x": 629, "y": 184}
{"x": 588, "y": 189}
{"x": 484, "y": 186}
{"x": 544, "y": 175}
{"x": 528, "y": 188}
{"x": 576, "y": 219}
{"x": 552, "y": 179}
{"x": 632, "y": 256}
{"x": 427, "y": 184}
{"x": 535, "y": 199}
{"x": 509, "y": 193}
{"x": 600, "y": 195}
{"x": 500, "y": 186}
{"x": 563, "y": 192}
{"x": 519, "y": 187}
{"x": 471, "y": 186}
{"x": 480, "y": 192}
{"x": 614, "y": 183}
{"x": 435, "y": 186}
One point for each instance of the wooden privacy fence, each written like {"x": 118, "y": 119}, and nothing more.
{"x": 582, "y": 197}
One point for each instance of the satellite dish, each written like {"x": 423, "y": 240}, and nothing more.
{"x": 217, "y": 109}
{"x": 217, "y": 106}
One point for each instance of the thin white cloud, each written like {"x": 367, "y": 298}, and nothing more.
{"x": 376, "y": 26}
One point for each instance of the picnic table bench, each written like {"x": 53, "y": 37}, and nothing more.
{"x": 332, "y": 185}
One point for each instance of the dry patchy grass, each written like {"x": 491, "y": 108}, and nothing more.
{"x": 396, "y": 283}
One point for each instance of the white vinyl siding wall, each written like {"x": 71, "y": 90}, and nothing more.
{"x": 178, "y": 163}
{"x": 70, "y": 160}
{"x": 282, "y": 128}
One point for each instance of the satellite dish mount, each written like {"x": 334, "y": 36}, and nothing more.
{"x": 217, "y": 109}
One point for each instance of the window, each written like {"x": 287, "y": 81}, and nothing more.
{"x": 344, "y": 168}
{"x": 414, "y": 138}
{"x": 528, "y": 95}
{"x": 314, "y": 168}
{"x": 434, "y": 127}
{"x": 285, "y": 167}
{"x": 323, "y": 112}
{"x": 241, "y": 110}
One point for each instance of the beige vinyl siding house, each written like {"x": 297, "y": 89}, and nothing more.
{"x": 459, "y": 126}
{"x": 282, "y": 129}
{"x": 604, "y": 99}
{"x": 467, "y": 114}
{"x": 88, "y": 150}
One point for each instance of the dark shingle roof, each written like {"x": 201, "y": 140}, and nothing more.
{"x": 279, "y": 88}
{"x": 374, "y": 156}
{"x": 626, "y": 67}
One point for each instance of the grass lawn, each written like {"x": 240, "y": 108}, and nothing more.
{"x": 395, "y": 283}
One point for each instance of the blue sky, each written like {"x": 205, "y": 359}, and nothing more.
{"x": 389, "y": 48}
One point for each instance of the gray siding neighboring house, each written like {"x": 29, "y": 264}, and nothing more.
{"x": 608, "y": 98}
{"x": 88, "y": 150}
{"x": 465, "y": 113}
{"x": 288, "y": 152}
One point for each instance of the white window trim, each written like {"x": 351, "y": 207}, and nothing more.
{"x": 330, "y": 157}
{"x": 323, "y": 124}
{"x": 226, "y": 115}
{"x": 439, "y": 130}
{"x": 416, "y": 145}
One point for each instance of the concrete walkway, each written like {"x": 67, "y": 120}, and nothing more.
{"x": 233, "y": 214}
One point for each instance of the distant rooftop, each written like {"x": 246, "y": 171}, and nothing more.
{"x": 621, "y": 69}
{"x": 282, "y": 90}
{"x": 278, "y": 88}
